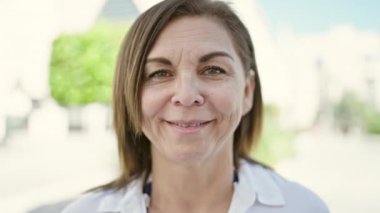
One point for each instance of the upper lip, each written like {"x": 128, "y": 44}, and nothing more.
{"x": 188, "y": 122}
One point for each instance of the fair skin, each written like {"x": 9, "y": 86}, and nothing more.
{"x": 194, "y": 95}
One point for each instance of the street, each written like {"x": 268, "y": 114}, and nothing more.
{"x": 38, "y": 172}
{"x": 342, "y": 170}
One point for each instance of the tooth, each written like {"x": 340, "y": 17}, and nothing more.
{"x": 187, "y": 125}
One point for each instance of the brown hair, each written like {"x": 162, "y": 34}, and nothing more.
{"x": 133, "y": 146}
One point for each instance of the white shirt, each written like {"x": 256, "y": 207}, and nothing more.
{"x": 259, "y": 190}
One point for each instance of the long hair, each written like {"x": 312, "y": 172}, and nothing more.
{"x": 133, "y": 146}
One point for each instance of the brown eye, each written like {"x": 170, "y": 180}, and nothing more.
{"x": 213, "y": 70}
{"x": 159, "y": 74}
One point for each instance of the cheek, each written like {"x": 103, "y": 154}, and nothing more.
{"x": 146, "y": 104}
{"x": 228, "y": 100}
{"x": 151, "y": 103}
{"x": 150, "y": 107}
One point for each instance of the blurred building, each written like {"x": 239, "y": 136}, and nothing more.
{"x": 26, "y": 36}
{"x": 301, "y": 74}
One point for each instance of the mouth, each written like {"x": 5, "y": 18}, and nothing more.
{"x": 189, "y": 126}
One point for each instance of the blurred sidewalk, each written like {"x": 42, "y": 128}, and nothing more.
{"x": 37, "y": 172}
{"x": 343, "y": 170}
{"x": 34, "y": 173}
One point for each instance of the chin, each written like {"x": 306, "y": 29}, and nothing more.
{"x": 188, "y": 157}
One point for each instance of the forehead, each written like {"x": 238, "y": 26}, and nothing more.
{"x": 198, "y": 33}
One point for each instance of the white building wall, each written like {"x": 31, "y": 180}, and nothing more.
{"x": 27, "y": 31}
{"x": 26, "y": 34}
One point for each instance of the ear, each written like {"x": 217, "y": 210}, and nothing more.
{"x": 249, "y": 90}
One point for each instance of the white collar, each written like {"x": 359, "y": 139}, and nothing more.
{"x": 255, "y": 184}
{"x": 129, "y": 199}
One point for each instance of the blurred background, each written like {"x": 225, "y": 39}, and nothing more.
{"x": 319, "y": 62}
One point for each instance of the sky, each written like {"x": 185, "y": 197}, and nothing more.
{"x": 315, "y": 16}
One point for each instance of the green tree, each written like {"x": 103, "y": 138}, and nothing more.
{"x": 351, "y": 112}
{"x": 82, "y": 65}
{"x": 276, "y": 142}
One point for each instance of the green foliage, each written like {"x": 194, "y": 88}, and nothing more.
{"x": 373, "y": 124}
{"x": 276, "y": 142}
{"x": 352, "y": 112}
{"x": 371, "y": 120}
{"x": 82, "y": 65}
{"x": 347, "y": 112}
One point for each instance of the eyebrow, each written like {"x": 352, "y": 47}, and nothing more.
{"x": 213, "y": 55}
{"x": 202, "y": 59}
{"x": 159, "y": 60}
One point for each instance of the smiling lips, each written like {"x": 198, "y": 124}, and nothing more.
{"x": 188, "y": 126}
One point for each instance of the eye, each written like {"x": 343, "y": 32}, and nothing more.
{"x": 159, "y": 74}
{"x": 213, "y": 70}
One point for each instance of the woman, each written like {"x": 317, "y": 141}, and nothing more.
{"x": 187, "y": 110}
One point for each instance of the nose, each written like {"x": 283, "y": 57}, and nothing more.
{"x": 187, "y": 92}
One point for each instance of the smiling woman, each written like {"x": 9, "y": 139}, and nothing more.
{"x": 187, "y": 111}
{"x": 193, "y": 96}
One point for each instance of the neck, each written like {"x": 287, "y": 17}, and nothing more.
{"x": 203, "y": 187}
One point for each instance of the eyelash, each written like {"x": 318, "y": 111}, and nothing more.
{"x": 161, "y": 73}
{"x": 158, "y": 74}
{"x": 213, "y": 67}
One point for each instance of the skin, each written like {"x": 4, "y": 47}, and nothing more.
{"x": 194, "y": 95}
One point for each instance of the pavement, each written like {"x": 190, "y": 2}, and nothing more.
{"x": 343, "y": 170}
{"x": 41, "y": 175}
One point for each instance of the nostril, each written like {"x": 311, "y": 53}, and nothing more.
{"x": 188, "y": 100}
{"x": 187, "y": 93}
{"x": 199, "y": 100}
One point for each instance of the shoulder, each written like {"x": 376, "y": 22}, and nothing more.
{"x": 94, "y": 201}
{"x": 297, "y": 198}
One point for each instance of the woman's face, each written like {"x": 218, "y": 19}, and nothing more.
{"x": 195, "y": 91}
